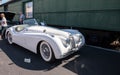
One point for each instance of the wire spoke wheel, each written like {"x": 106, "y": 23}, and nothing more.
{"x": 46, "y": 52}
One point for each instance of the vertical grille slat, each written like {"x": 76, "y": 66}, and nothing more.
{"x": 72, "y": 42}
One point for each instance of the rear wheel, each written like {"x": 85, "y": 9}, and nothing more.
{"x": 9, "y": 38}
{"x": 46, "y": 52}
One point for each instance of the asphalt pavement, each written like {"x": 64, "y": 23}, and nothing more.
{"x": 88, "y": 61}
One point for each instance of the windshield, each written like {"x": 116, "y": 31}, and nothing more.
{"x": 30, "y": 22}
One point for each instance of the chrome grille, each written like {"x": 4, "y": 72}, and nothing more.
{"x": 72, "y": 42}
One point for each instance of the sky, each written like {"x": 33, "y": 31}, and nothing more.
{"x": 4, "y": 1}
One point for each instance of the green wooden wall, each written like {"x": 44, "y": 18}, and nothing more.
{"x": 95, "y": 14}
{"x": 1, "y": 9}
{"x": 16, "y": 8}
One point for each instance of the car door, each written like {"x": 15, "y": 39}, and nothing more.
{"x": 19, "y": 38}
{"x": 31, "y": 41}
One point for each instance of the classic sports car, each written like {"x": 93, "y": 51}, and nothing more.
{"x": 51, "y": 43}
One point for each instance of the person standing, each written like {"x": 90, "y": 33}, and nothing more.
{"x": 21, "y": 18}
{"x": 3, "y": 21}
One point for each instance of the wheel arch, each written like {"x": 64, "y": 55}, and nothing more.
{"x": 54, "y": 48}
{"x": 38, "y": 52}
{"x": 6, "y": 34}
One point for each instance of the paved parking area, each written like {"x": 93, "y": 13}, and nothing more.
{"x": 89, "y": 61}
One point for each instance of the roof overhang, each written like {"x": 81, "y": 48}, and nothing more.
{"x": 8, "y": 2}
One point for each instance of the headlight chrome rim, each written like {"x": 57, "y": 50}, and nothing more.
{"x": 66, "y": 42}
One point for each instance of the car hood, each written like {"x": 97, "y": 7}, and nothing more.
{"x": 72, "y": 31}
{"x": 49, "y": 30}
{"x": 9, "y": 15}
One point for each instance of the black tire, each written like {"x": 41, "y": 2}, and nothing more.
{"x": 46, "y": 52}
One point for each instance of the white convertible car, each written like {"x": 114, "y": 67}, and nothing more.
{"x": 51, "y": 43}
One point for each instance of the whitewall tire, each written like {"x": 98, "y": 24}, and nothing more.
{"x": 9, "y": 38}
{"x": 46, "y": 52}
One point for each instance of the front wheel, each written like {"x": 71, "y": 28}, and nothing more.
{"x": 46, "y": 52}
{"x": 9, "y": 38}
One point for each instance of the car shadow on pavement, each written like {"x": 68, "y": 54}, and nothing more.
{"x": 18, "y": 55}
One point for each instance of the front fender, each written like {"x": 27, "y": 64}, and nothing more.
{"x": 56, "y": 44}
{"x": 53, "y": 43}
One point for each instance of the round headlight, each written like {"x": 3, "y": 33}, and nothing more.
{"x": 78, "y": 38}
{"x": 66, "y": 42}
